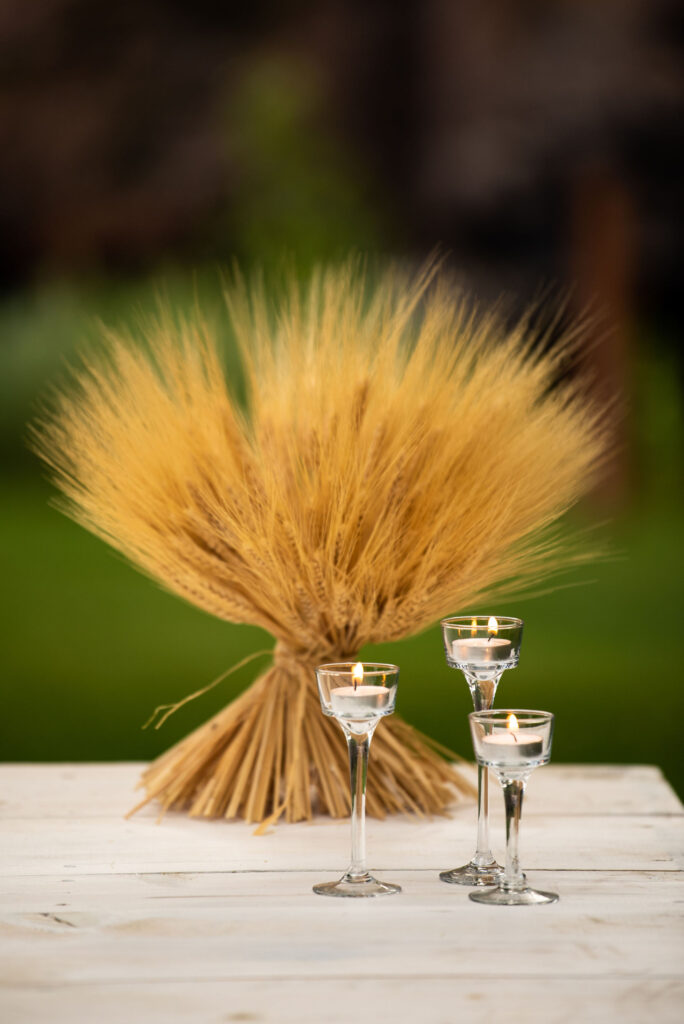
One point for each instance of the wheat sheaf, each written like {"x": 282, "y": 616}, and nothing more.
{"x": 398, "y": 455}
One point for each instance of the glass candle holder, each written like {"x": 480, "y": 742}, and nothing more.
{"x": 482, "y": 647}
{"x": 512, "y": 744}
{"x": 357, "y": 695}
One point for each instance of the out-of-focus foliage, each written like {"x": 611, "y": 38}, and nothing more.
{"x": 534, "y": 141}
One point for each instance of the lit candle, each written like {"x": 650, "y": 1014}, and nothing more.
{"x": 512, "y": 745}
{"x": 359, "y": 701}
{"x": 482, "y": 651}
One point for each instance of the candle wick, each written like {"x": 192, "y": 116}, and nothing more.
{"x": 514, "y": 735}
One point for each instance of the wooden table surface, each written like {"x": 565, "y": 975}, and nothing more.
{"x": 106, "y": 920}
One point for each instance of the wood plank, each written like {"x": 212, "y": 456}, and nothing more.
{"x": 102, "y": 845}
{"x": 83, "y": 790}
{"x": 561, "y": 789}
{"x": 602, "y": 927}
{"x": 145, "y": 893}
{"x": 468, "y": 1000}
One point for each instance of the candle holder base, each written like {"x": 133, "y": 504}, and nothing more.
{"x": 473, "y": 874}
{"x": 348, "y": 885}
{"x": 524, "y": 897}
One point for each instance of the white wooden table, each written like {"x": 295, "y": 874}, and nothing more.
{"x": 105, "y": 920}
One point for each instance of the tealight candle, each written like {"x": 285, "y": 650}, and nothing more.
{"x": 512, "y": 746}
{"x": 482, "y": 650}
{"x": 359, "y": 701}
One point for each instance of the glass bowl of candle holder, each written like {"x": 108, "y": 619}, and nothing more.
{"x": 357, "y": 694}
{"x": 512, "y": 743}
{"x": 482, "y": 647}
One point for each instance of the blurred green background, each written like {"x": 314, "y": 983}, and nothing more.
{"x": 314, "y": 136}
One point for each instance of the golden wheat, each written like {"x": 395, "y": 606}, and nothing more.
{"x": 398, "y": 458}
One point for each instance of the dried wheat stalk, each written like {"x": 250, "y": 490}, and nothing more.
{"x": 399, "y": 457}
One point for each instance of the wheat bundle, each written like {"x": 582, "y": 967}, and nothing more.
{"x": 399, "y": 456}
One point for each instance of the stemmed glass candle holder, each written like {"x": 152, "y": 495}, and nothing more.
{"x": 512, "y": 744}
{"x": 482, "y": 647}
{"x": 357, "y": 696}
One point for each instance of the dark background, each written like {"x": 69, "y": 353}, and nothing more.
{"x": 143, "y": 145}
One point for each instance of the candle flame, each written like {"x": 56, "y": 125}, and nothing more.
{"x": 473, "y": 624}
{"x": 357, "y": 674}
{"x": 512, "y": 722}
{"x": 492, "y": 626}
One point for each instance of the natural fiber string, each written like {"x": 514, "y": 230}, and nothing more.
{"x": 170, "y": 709}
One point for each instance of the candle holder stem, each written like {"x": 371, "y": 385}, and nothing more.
{"x": 357, "y": 880}
{"x": 483, "y": 691}
{"x": 482, "y": 868}
{"x": 512, "y": 889}
{"x": 359, "y": 749}
{"x": 513, "y": 878}
{"x": 483, "y": 857}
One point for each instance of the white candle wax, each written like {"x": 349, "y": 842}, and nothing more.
{"x": 481, "y": 650}
{"x": 360, "y": 701}
{"x": 512, "y": 746}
